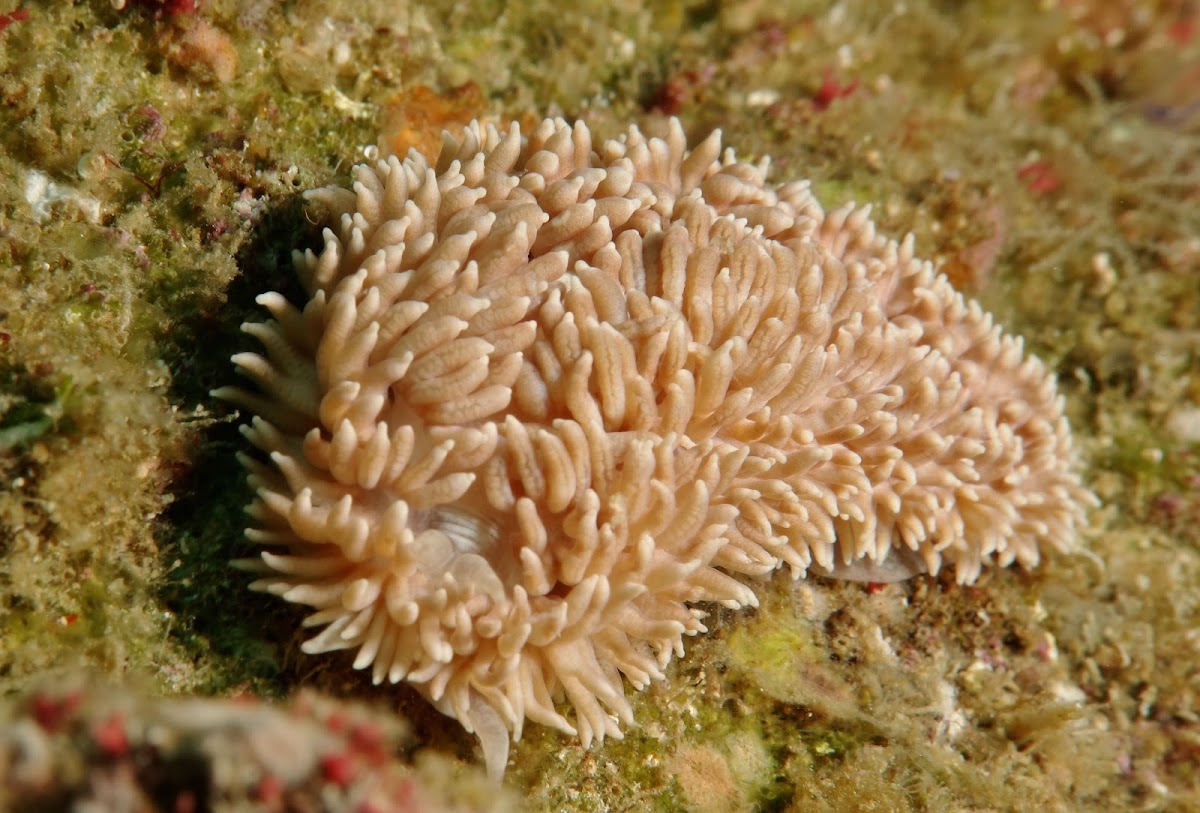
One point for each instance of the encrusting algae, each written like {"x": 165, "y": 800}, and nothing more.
{"x": 547, "y": 398}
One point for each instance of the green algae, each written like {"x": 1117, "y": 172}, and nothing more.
{"x": 29, "y": 412}
{"x": 1046, "y": 158}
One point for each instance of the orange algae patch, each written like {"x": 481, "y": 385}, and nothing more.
{"x": 415, "y": 117}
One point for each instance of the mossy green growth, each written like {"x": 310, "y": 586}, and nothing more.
{"x": 771, "y": 653}
{"x": 131, "y": 182}
{"x": 26, "y": 417}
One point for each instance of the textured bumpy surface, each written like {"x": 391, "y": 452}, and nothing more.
{"x": 548, "y": 395}
{"x": 86, "y": 747}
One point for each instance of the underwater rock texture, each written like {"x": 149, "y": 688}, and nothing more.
{"x": 1044, "y": 155}
{"x": 83, "y": 747}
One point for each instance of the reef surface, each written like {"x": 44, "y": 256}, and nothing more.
{"x": 152, "y": 157}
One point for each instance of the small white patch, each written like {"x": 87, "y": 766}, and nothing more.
{"x": 41, "y": 193}
{"x": 344, "y": 104}
{"x": 762, "y": 98}
{"x": 951, "y": 720}
{"x": 1067, "y": 694}
{"x": 880, "y": 645}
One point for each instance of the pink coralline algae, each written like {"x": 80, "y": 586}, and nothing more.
{"x": 76, "y": 748}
